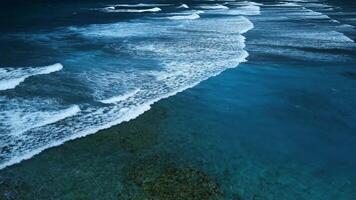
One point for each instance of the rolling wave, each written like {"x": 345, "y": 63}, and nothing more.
{"x": 12, "y": 77}
{"x": 23, "y": 118}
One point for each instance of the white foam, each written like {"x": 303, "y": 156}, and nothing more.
{"x": 29, "y": 154}
{"x": 193, "y": 51}
{"x": 287, "y": 5}
{"x": 110, "y": 8}
{"x": 185, "y": 17}
{"x": 21, "y": 116}
{"x": 331, "y": 36}
{"x": 183, "y": 6}
{"x": 245, "y": 10}
{"x": 119, "y": 98}
{"x": 346, "y": 26}
{"x": 155, "y": 9}
{"x": 245, "y": 3}
{"x": 142, "y": 5}
{"x": 12, "y": 77}
{"x": 38, "y": 119}
{"x": 213, "y": 7}
{"x": 317, "y": 5}
{"x": 307, "y": 39}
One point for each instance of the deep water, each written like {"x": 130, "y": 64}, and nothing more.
{"x": 279, "y": 126}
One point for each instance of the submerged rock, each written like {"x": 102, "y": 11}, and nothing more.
{"x": 11, "y": 189}
{"x": 182, "y": 184}
{"x": 159, "y": 180}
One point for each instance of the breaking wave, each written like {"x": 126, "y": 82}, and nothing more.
{"x": 12, "y": 77}
{"x": 192, "y": 51}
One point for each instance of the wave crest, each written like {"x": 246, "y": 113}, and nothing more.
{"x": 12, "y": 77}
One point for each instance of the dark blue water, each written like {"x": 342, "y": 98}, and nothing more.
{"x": 273, "y": 118}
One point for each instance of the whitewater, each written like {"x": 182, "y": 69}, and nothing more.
{"x": 196, "y": 48}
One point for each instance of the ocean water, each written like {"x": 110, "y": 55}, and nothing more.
{"x": 258, "y": 95}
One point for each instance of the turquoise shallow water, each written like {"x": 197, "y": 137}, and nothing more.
{"x": 279, "y": 126}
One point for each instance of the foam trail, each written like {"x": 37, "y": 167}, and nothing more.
{"x": 120, "y": 98}
{"x": 12, "y": 77}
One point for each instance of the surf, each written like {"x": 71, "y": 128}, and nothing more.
{"x": 212, "y": 46}
{"x": 12, "y": 77}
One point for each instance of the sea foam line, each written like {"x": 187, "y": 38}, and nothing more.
{"x": 12, "y": 77}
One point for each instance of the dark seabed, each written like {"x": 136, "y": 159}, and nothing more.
{"x": 279, "y": 126}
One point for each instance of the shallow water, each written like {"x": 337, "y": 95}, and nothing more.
{"x": 279, "y": 126}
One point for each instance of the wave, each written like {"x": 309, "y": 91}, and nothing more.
{"x": 119, "y": 98}
{"x": 245, "y": 3}
{"x": 330, "y": 36}
{"x": 213, "y": 7}
{"x": 155, "y": 9}
{"x": 141, "y": 5}
{"x": 286, "y": 5}
{"x": 183, "y": 6}
{"x": 109, "y": 8}
{"x": 17, "y": 121}
{"x": 245, "y": 10}
{"x": 185, "y": 17}
{"x": 12, "y": 77}
{"x": 192, "y": 52}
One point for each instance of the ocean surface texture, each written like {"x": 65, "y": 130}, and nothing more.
{"x": 259, "y": 96}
